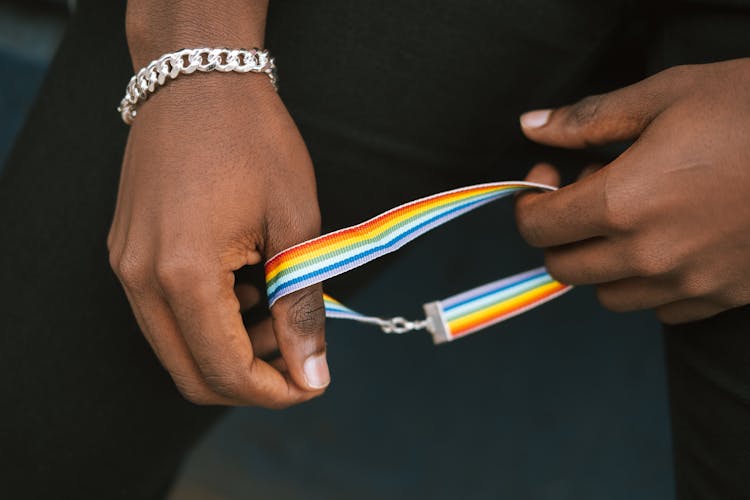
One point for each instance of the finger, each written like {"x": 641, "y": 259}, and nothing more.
{"x": 299, "y": 324}
{"x": 299, "y": 318}
{"x": 685, "y": 311}
{"x": 572, "y": 213}
{"x": 636, "y": 293}
{"x": 600, "y": 119}
{"x": 263, "y": 340}
{"x": 208, "y": 315}
{"x": 543, "y": 173}
{"x": 247, "y": 295}
{"x": 160, "y": 330}
{"x": 589, "y": 262}
{"x": 260, "y": 332}
{"x": 279, "y": 364}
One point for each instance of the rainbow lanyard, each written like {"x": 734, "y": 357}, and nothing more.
{"x": 335, "y": 253}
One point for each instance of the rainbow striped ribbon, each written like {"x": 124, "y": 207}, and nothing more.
{"x": 335, "y": 253}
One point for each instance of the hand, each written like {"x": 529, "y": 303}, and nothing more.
{"x": 216, "y": 177}
{"x": 666, "y": 225}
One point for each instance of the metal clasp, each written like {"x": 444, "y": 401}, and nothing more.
{"x": 399, "y": 325}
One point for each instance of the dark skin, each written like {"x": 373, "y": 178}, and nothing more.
{"x": 666, "y": 225}
{"x": 216, "y": 177}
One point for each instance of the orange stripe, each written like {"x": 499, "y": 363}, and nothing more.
{"x": 333, "y": 241}
{"x": 470, "y": 321}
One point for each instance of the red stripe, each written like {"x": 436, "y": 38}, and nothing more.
{"x": 364, "y": 227}
{"x": 537, "y": 298}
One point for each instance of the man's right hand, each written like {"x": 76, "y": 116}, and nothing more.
{"x": 215, "y": 177}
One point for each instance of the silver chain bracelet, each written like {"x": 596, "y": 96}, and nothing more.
{"x": 187, "y": 61}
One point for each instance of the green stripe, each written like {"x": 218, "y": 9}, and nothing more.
{"x": 364, "y": 243}
{"x": 500, "y": 297}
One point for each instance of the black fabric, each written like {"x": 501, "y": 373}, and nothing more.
{"x": 409, "y": 98}
{"x": 710, "y": 392}
{"x": 87, "y": 412}
{"x": 708, "y": 362}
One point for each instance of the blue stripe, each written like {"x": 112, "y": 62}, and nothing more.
{"x": 340, "y": 309}
{"x": 280, "y": 289}
{"x": 472, "y": 299}
{"x": 327, "y": 256}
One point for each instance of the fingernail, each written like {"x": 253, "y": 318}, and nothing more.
{"x": 535, "y": 119}
{"x": 316, "y": 371}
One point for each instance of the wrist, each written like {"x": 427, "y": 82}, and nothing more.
{"x": 154, "y": 27}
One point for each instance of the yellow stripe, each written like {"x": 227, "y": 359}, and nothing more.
{"x": 509, "y": 305}
{"x": 378, "y": 228}
{"x": 328, "y": 298}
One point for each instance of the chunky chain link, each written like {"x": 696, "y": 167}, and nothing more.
{"x": 187, "y": 61}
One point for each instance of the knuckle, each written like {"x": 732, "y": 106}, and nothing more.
{"x": 678, "y": 73}
{"x": 114, "y": 262}
{"x": 645, "y": 265}
{"x": 199, "y": 397}
{"x": 695, "y": 285}
{"x": 194, "y": 392}
{"x": 527, "y": 228}
{"x": 557, "y": 268}
{"x": 172, "y": 273}
{"x": 232, "y": 380}
{"x": 132, "y": 270}
{"x": 677, "y": 80}
{"x": 226, "y": 382}
{"x": 616, "y": 217}
{"x": 530, "y": 233}
{"x": 617, "y": 220}
{"x": 619, "y": 214}
{"x": 649, "y": 263}
{"x": 584, "y": 113}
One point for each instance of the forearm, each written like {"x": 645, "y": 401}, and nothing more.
{"x": 154, "y": 27}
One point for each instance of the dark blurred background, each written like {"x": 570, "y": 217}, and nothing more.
{"x": 593, "y": 424}
{"x": 29, "y": 34}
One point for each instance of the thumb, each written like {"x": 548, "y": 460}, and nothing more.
{"x": 299, "y": 326}
{"x": 299, "y": 318}
{"x": 617, "y": 116}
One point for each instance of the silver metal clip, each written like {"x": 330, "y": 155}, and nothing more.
{"x": 399, "y": 325}
{"x": 436, "y": 324}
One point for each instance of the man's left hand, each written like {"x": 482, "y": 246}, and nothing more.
{"x": 666, "y": 225}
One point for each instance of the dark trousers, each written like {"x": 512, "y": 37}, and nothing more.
{"x": 407, "y": 100}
